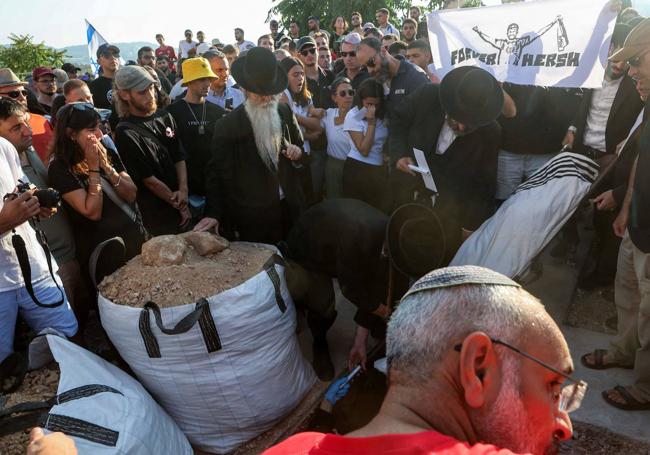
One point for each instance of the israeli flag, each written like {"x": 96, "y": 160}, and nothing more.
{"x": 95, "y": 39}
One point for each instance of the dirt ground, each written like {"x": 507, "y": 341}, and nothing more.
{"x": 592, "y": 440}
{"x": 592, "y": 310}
{"x": 37, "y": 386}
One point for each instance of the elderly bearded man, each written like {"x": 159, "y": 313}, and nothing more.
{"x": 258, "y": 182}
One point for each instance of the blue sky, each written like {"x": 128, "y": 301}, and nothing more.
{"x": 61, "y": 23}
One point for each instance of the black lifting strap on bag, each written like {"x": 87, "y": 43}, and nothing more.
{"x": 26, "y": 269}
{"x": 55, "y": 422}
{"x": 201, "y": 314}
{"x": 269, "y": 268}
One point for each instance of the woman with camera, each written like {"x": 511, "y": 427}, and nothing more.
{"x": 93, "y": 183}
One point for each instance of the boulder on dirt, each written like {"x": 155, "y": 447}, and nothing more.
{"x": 205, "y": 243}
{"x": 164, "y": 250}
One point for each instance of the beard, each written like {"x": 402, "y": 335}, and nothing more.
{"x": 383, "y": 74}
{"x": 506, "y": 423}
{"x": 267, "y": 129}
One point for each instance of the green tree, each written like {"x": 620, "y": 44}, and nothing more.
{"x": 327, "y": 10}
{"x": 23, "y": 55}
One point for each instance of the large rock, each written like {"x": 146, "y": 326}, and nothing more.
{"x": 205, "y": 243}
{"x": 164, "y": 250}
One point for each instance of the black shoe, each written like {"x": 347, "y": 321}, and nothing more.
{"x": 322, "y": 362}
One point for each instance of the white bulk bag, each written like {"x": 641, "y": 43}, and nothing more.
{"x": 530, "y": 218}
{"x": 226, "y": 368}
{"x": 101, "y": 407}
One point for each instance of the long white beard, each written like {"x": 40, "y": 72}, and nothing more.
{"x": 267, "y": 129}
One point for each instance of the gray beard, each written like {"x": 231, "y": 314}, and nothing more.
{"x": 267, "y": 129}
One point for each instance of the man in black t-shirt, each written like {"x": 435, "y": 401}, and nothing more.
{"x": 149, "y": 145}
{"x": 195, "y": 119}
{"x": 108, "y": 57}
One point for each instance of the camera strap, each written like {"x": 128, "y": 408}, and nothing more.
{"x": 26, "y": 269}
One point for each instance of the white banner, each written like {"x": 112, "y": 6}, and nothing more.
{"x": 554, "y": 43}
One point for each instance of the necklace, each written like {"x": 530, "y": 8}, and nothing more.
{"x": 201, "y": 123}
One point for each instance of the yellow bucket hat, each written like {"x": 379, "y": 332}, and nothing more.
{"x": 196, "y": 68}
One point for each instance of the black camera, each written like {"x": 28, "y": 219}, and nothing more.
{"x": 48, "y": 197}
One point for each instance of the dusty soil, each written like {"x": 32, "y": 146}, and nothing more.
{"x": 591, "y": 309}
{"x": 135, "y": 284}
{"x": 592, "y": 440}
{"x": 38, "y": 385}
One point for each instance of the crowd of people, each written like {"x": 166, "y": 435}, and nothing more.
{"x": 306, "y": 141}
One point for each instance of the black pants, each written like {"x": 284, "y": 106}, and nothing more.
{"x": 366, "y": 182}
{"x": 264, "y": 224}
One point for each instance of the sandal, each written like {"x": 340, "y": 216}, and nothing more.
{"x": 631, "y": 403}
{"x": 599, "y": 364}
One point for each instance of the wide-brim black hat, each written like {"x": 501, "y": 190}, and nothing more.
{"x": 259, "y": 72}
{"x": 416, "y": 240}
{"x": 471, "y": 95}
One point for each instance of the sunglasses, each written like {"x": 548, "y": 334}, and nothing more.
{"x": 349, "y": 54}
{"x": 371, "y": 62}
{"x": 349, "y": 92}
{"x": 81, "y": 107}
{"x": 306, "y": 52}
{"x": 110, "y": 54}
{"x": 571, "y": 395}
{"x": 15, "y": 94}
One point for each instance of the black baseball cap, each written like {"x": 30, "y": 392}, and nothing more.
{"x": 108, "y": 49}
{"x": 305, "y": 41}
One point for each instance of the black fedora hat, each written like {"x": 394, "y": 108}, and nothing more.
{"x": 259, "y": 72}
{"x": 471, "y": 95}
{"x": 416, "y": 240}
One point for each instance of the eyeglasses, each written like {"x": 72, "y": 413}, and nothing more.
{"x": 371, "y": 62}
{"x": 110, "y": 55}
{"x": 306, "y": 52}
{"x": 348, "y": 54}
{"x": 636, "y": 61}
{"x": 571, "y": 395}
{"x": 15, "y": 94}
{"x": 82, "y": 107}
{"x": 349, "y": 92}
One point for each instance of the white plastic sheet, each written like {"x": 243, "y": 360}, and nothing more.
{"x": 132, "y": 422}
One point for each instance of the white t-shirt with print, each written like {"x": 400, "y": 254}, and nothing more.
{"x": 338, "y": 141}
{"x": 303, "y": 111}
{"x": 355, "y": 122}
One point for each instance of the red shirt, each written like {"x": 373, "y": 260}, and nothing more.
{"x": 42, "y": 135}
{"x": 169, "y": 52}
{"x": 427, "y": 442}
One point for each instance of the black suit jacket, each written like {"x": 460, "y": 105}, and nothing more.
{"x": 625, "y": 110}
{"x": 237, "y": 178}
{"x": 465, "y": 174}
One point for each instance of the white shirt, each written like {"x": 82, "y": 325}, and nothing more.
{"x": 10, "y": 275}
{"x": 338, "y": 141}
{"x": 389, "y": 28}
{"x": 185, "y": 47}
{"x": 229, "y": 92}
{"x": 201, "y": 48}
{"x": 303, "y": 111}
{"x": 176, "y": 90}
{"x": 601, "y": 104}
{"x": 245, "y": 45}
{"x": 446, "y": 137}
{"x": 353, "y": 122}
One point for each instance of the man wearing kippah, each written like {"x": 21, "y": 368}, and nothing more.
{"x": 495, "y": 381}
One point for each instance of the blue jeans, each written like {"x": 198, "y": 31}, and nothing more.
{"x": 516, "y": 168}
{"x": 60, "y": 318}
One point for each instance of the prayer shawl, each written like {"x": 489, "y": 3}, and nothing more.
{"x": 530, "y": 218}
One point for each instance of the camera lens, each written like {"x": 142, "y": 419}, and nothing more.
{"x": 49, "y": 198}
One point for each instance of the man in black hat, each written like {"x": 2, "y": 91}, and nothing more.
{"x": 343, "y": 239}
{"x": 71, "y": 70}
{"x": 108, "y": 58}
{"x": 257, "y": 182}
{"x": 454, "y": 125}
